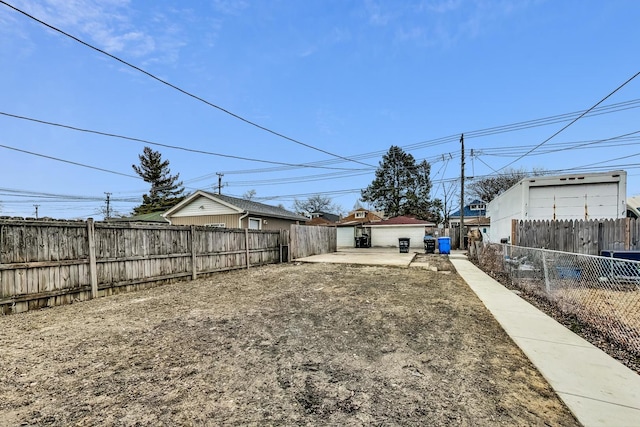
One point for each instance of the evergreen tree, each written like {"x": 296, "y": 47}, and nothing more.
{"x": 402, "y": 187}
{"x": 166, "y": 191}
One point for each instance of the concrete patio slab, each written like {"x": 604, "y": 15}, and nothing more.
{"x": 365, "y": 256}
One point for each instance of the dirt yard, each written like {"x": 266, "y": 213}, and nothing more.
{"x": 291, "y": 344}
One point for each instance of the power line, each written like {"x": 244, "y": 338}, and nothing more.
{"x": 625, "y": 105}
{"x": 68, "y": 161}
{"x": 573, "y": 121}
{"x": 517, "y": 126}
{"x": 198, "y": 98}
{"x": 444, "y": 158}
{"x": 145, "y": 141}
{"x": 66, "y": 197}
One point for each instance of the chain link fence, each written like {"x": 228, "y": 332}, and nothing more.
{"x": 602, "y": 292}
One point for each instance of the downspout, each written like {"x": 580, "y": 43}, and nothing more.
{"x": 246, "y": 214}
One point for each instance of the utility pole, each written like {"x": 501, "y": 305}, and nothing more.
{"x": 462, "y": 192}
{"x": 36, "y": 206}
{"x": 220, "y": 175}
{"x": 108, "y": 213}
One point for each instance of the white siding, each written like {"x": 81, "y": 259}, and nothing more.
{"x": 588, "y": 201}
{"x": 388, "y": 235}
{"x": 346, "y": 237}
{"x": 503, "y": 209}
{"x": 204, "y": 206}
{"x": 590, "y": 196}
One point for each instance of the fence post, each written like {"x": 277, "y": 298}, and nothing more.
{"x": 293, "y": 248}
{"x": 194, "y": 266}
{"x": 627, "y": 233}
{"x": 547, "y": 284}
{"x": 246, "y": 244}
{"x": 93, "y": 273}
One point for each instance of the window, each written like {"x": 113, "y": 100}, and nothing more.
{"x": 476, "y": 207}
{"x": 255, "y": 223}
{"x": 360, "y": 214}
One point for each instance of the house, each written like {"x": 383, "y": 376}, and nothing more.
{"x": 633, "y": 207}
{"x": 323, "y": 218}
{"x": 475, "y": 217}
{"x": 562, "y": 197}
{"x": 218, "y": 210}
{"x": 474, "y": 210}
{"x": 388, "y": 231}
{"x": 355, "y": 226}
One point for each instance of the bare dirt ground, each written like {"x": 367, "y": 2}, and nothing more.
{"x": 306, "y": 344}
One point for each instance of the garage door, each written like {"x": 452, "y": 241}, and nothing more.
{"x": 574, "y": 201}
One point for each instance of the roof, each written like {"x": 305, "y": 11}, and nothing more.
{"x": 468, "y": 212}
{"x": 245, "y": 205}
{"x": 351, "y": 219}
{"x": 319, "y": 221}
{"x": 482, "y": 220}
{"x": 330, "y": 217}
{"x": 149, "y": 217}
{"x": 404, "y": 221}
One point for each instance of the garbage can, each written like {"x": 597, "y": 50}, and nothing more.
{"x": 403, "y": 244}
{"x": 429, "y": 245}
{"x": 444, "y": 243}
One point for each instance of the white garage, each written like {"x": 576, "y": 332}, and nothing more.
{"x": 386, "y": 233}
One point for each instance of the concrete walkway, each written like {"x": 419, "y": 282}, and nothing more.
{"x": 599, "y": 390}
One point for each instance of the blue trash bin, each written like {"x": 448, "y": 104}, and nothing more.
{"x": 444, "y": 243}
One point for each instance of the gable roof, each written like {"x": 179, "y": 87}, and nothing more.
{"x": 320, "y": 221}
{"x": 469, "y": 212}
{"x": 241, "y": 205}
{"x": 351, "y": 219}
{"x": 330, "y": 217}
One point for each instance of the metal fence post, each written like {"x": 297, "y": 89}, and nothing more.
{"x": 547, "y": 284}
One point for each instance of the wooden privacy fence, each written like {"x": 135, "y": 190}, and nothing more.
{"x": 46, "y": 263}
{"x": 578, "y": 236}
{"x": 312, "y": 240}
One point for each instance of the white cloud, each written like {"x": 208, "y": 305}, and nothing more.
{"x": 230, "y": 7}
{"x": 107, "y": 24}
{"x": 377, "y": 16}
{"x": 445, "y": 22}
{"x": 442, "y": 6}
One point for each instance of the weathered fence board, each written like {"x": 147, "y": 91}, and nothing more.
{"x": 578, "y": 236}
{"x": 312, "y": 240}
{"x": 45, "y": 263}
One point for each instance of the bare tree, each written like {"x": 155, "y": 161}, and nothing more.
{"x": 450, "y": 200}
{"x": 249, "y": 195}
{"x": 317, "y": 203}
{"x": 487, "y": 188}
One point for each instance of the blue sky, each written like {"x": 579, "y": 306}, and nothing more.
{"x": 344, "y": 79}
